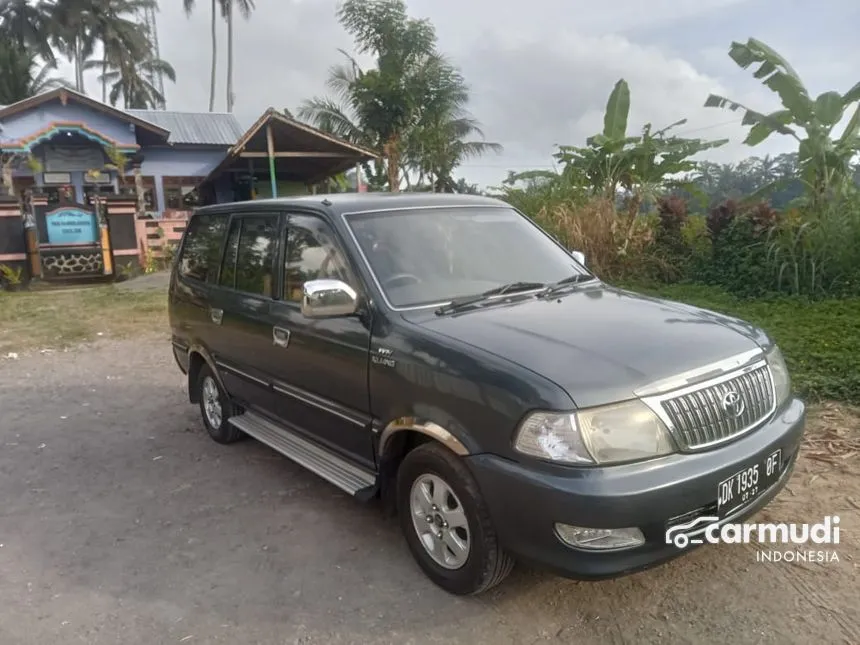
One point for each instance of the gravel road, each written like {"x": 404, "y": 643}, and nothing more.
{"x": 120, "y": 522}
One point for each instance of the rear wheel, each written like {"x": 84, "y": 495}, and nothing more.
{"x": 216, "y": 408}
{"x": 447, "y": 524}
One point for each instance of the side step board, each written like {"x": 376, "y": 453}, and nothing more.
{"x": 348, "y": 477}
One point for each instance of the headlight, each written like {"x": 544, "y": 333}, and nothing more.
{"x": 608, "y": 434}
{"x": 779, "y": 373}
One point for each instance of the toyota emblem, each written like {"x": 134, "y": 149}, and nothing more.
{"x": 733, "y": 404}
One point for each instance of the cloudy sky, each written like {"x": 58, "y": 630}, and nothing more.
{"x": 540, "y": 70}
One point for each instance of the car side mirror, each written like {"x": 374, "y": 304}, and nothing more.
{"x": 328, "y": 299}
{"x": 579, "y": 256}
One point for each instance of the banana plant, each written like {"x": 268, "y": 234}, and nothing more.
{"x": 641, "y": 165}
{"x": 824, "y": 159}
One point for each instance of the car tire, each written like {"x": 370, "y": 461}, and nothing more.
{"x": 463, "y": 560}
{"x": 216, "y": 408}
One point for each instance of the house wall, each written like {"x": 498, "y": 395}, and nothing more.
{"x": 31, "y": 121}
{"x": 159, "y": 162}
{"x": 178, "y": 161}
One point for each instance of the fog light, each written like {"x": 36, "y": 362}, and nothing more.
{"x": 599, "y": 539}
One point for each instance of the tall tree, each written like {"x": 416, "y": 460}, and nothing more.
{"x": 76, "y": 27}
{"x": 443, "y": 136}
{"x": 27, "y": 24}
{"x": 71, "y": 33}
{"x": 245, "y": 8}
{"x": 21, "y": 75}
{"x": 130, "y": 80}
{"x": 378, "y": 107}
{"x": 189, "y": 8}
{"x": 119, "y": 34}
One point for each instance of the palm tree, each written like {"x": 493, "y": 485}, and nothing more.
{"x": 245, "y": 8}
{"x": 119, "y": 35}
{"x": 71, "y": 32}
{"x": 27, "y": 24}
{"x": 189, "y": 7}
{"x": 440, "y": 141}
{"x": 379, "y": 106}
{"x": 130, "y": 79}
{"x": 21, "y": 76}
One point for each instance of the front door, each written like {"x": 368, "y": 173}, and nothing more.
{"x": 321, "y": 377}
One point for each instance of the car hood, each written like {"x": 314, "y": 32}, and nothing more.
{"x": 597, "y": 342}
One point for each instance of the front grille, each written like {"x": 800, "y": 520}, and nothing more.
{"x": 715, "y": 413}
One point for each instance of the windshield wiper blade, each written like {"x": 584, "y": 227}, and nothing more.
{"x": 511, "y": 287}
{"x": 565, "y": 282}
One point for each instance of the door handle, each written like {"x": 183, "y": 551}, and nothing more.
{"x": 280, "y": 336}
{"x": 217, "y": 315}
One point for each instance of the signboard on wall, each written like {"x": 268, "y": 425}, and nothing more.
{"x": 71, "y": 225}
{"x": 70, "y": 159}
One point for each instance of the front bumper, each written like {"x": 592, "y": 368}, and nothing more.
{"x": 525, "y": 502}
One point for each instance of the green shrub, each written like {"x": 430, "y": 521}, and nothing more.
{"x": 669, "y": 241}
{"x": 738, "y": 256}
{"x": 815, "y": 251}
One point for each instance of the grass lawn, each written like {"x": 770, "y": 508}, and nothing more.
{"x": 58, "y": 319}
{"x": 820, "y": 340}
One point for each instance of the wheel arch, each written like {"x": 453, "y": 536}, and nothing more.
{"x": 402, "y": 435}
{"x": 197, "y": 358}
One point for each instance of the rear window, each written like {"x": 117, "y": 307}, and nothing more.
{"x": 201, "y": 251}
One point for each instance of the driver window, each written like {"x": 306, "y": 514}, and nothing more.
{"x": 310, "y": 256}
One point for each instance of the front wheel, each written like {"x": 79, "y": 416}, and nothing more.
{"x": 447, "y": 524}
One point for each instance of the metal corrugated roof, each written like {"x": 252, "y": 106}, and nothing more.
{"x": 201, "y": 128}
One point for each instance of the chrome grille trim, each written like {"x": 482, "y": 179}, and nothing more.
{"x": 696, "y": 417}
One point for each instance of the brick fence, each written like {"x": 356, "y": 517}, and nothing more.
{"x": 155, "y": 235}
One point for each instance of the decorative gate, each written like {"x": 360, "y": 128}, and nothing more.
{"x": 73, "y": 241}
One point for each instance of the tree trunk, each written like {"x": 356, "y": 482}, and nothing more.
{"x": 391, "y": 149}
{"x": 214, "y": 36}
{"x": 79, "y": 73}
{"x": 230, "y": 56}
{"x": 104, "y": 81}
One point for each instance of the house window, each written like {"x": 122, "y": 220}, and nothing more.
{"x": 179, "y": 193}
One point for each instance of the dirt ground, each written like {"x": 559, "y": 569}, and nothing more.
{"x": 120, "y": 522}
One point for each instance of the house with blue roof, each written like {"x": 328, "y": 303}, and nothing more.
{"x": 63, "y": 154}
{"x": 67, "y": 133}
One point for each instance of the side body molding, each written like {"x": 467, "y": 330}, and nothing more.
{"x": 429, "y": 428}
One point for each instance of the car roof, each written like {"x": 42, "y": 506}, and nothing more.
{"x": 338, "y": 203}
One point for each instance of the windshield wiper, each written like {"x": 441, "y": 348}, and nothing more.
{"x": 555, "y": 287}
{"x": 511, "y": 287}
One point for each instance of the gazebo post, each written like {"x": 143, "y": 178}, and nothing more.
{"x": 271, "y": 146}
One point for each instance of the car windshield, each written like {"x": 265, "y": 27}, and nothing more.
{"x": 431, "y": 256}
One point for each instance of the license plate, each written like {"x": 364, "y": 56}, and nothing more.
{"x": 747, "y": 484}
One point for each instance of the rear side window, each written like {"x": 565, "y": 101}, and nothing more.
{"x": 201, "y": 252}
{"x": 256, "y": 255}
